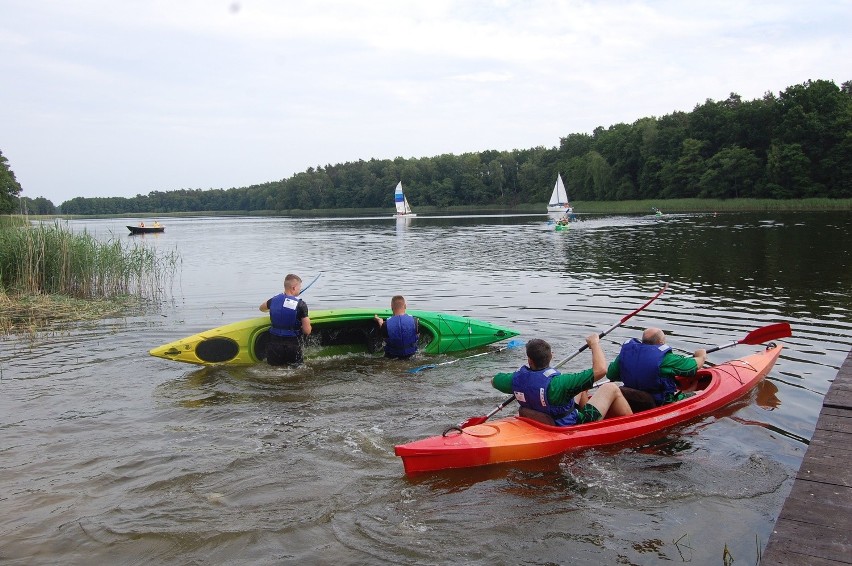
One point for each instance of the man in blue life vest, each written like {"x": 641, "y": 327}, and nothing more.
{"x": 400, "y": 331}
{"x": 562, "y": 399}
{"x": 650, "y": 365}
{"x": 289, "y": 316}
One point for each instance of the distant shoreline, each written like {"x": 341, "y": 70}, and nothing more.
{"x": 580, "y": 207}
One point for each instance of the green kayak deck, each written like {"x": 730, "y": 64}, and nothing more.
{"x": 335, "y": 331}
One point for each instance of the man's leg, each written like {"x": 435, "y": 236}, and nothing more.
{"x": 610, "y": 402}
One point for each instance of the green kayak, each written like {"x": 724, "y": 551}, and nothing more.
{"x": 336, "y": 331}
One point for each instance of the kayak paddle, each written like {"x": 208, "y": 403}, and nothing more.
{"x": 311, "y": 283}
{"x": 481, "y": 419}
{"x": 509, "y": 344}
{"x": 760, "y": 335}
{"x": 613, "y": 327}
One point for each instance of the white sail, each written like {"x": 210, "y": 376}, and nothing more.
{"x": 401, "y": 203}
{"x": 559, "y": 198}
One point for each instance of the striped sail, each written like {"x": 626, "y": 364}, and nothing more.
{"x": 400, "y": 201}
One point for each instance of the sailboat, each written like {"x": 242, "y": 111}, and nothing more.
{"x": 559, "y": 199}
{"x": 403, "y": 209}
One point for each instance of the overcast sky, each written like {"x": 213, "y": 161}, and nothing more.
{"x": 125, "y": 97}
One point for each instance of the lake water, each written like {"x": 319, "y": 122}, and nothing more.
{"x": 112, "y": 456}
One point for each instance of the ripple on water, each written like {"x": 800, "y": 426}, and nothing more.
{"x": 114, "y": 455}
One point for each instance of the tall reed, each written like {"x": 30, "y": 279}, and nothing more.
{"x": 51, "y": 259}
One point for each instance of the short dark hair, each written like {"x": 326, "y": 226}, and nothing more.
{"x": 539, "y": 353}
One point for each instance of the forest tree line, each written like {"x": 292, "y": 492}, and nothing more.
{"x": 796, "y": 144}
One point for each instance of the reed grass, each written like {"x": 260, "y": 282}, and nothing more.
{"x": 48, "y": 272}
{"x": 27, "y": 314}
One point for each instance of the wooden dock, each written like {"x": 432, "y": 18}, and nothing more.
{"x": 816, "y": 521}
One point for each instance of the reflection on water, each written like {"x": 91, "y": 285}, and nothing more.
{"x": 114, "y": 455}
{"x": 767, "y": 395}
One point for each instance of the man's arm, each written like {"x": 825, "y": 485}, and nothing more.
{"x": 613, "y": 372}
{"x": 306, "y": 320}
{"x": 503, "y": 382}
{"x": 700, "y": 357}
{"x": 675, "y": 364}
{"x": 565, "y": 386}
{"x": 599, "y": 367}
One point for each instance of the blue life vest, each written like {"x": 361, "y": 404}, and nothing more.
{"x": 402, "y": 335}
{"x": 530, "y": 389}
{"x": 282, "y": 313}
{"x": 639, "y": 368}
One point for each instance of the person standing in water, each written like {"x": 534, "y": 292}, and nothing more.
{"x": 400, "y": 331}
{"x": 290, "y": 322}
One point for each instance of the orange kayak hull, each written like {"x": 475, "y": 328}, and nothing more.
{"x": 516, "y": 438}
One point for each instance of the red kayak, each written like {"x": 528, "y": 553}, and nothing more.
{"x": 518, "y": 438}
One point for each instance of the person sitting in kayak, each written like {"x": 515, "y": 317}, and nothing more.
{"x": 400, "y": 331}
{"x": 650, "y": 365}
{"x": 543, "y": 392}
{"x": 289, "y": 316}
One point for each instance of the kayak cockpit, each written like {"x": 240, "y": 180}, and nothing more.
{"x": 638, "y": 400}
{"x": 345, "y": 337}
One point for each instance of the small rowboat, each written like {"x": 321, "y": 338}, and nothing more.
{"x": 336, "y": 331}
{"x": 146, "y": 229}
{"x": 517, "y": 438}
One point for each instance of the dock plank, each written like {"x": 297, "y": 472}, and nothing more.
{"x": 815, "y": 522}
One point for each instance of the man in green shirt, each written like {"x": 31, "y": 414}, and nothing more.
{"x": 650, "y": 365}
{"x": 563, "y": 397}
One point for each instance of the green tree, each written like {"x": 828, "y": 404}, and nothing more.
{"x": 9, "y": 187}
{"x": 680, "y": 179}
{"x": 496, "y": 180}
{"x": 730, "y": 174}
{"x": 599, "y": 176}
{"x": 39, "y": 205}
{"x": 787, "y": 169}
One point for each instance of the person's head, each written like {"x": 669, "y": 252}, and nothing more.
{"x": 292, "y": 284}
{"x": 398, "y": 303}
{"x": 538, "y": 353}
{"x": 653, "y": 336}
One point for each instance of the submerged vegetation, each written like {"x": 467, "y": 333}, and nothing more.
{"x": 49, "y": 273}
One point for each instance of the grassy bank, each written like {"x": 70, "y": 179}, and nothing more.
{"x": 49, "y": 273}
